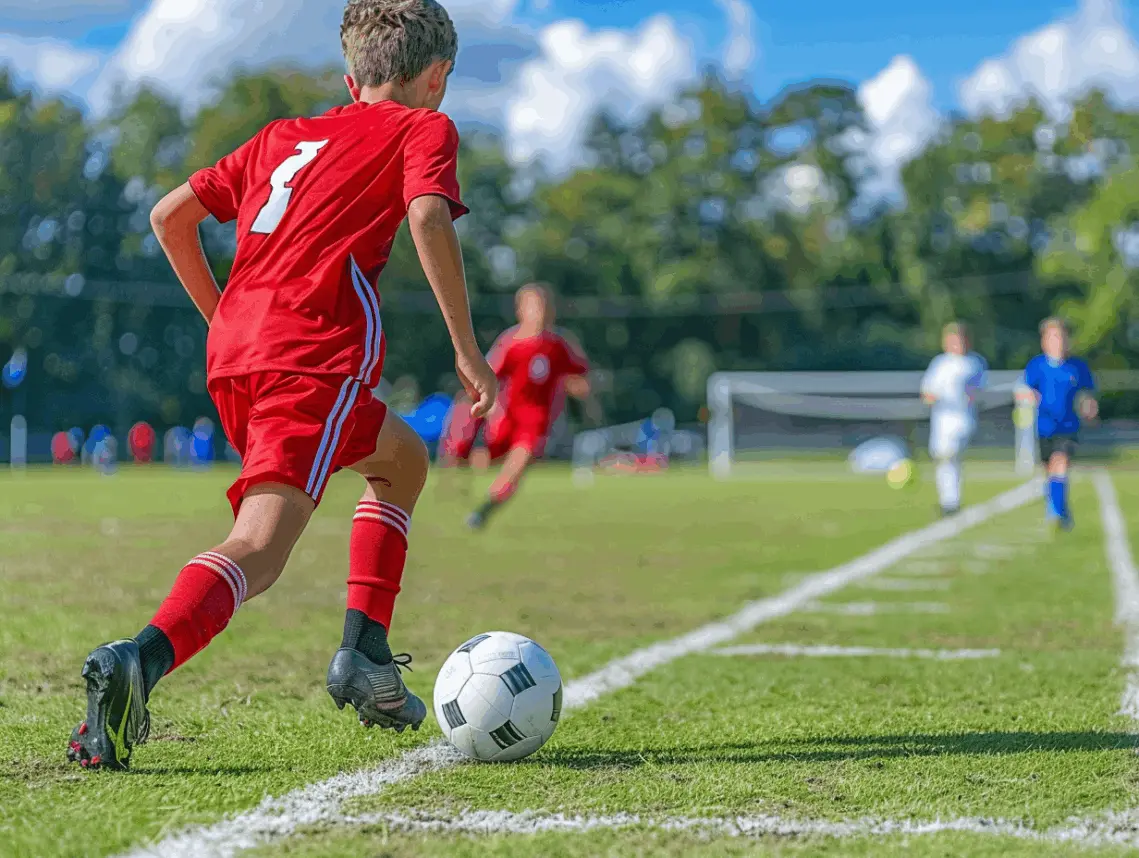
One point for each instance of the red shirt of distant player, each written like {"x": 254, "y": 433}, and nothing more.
{"x": 531, "y": 373}
{"x": 297, "y": 342}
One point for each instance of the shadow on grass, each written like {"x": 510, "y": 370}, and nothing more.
{"x": 835, "y": 748}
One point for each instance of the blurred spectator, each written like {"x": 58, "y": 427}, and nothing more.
{"x": 202, "y": 442}
{"x": 105, "y": 454}
{"x": 98, "y": 433}
{"x": 176, "y": 446}
{"x": 63, "y": 448}
{"x": 429, "y": 418}
{"x": 141, "y": 441}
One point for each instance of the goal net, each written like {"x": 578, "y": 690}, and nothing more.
{"x": 826, "y": 415}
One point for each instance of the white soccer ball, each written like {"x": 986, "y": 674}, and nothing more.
{"x": 498, "y": 697}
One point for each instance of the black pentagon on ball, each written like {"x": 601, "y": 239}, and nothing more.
{"x": 518, "y": 679}
{"x": 453, "y": 714}
{"x": 472, "y": 643}
{"x": 507, "y": 735}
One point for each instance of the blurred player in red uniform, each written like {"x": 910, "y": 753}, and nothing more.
{"x": 295, "y": 347}
{"x": 536, "y": 366}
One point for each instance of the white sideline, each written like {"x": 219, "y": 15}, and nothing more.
{"x": 1108, "y": 829}
{"x": 277, "y": 818}
{"x": 826, "y": 651}
{"x": 1125, "y": 578}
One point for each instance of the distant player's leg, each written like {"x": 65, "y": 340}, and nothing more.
{"x": 505, "y": 485}
{"x": 208, "y": 591}
{"x": 1059, "y": 461}
{"x": 364, "y": 672}
{"x": 945, "y": 448}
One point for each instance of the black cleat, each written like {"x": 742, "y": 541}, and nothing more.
{"x": 117, "y": 718}
{"x": 476, "y": 520}
{"x": 376, "y": 691}
{"x": 950, "y": 511}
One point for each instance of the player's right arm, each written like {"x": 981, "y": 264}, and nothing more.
{"x": 1032, "y": 378}
{"x": 175, "y": 222}
{"x": 929, "y": 381}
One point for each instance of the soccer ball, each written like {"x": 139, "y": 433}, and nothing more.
{"x": 498, "y": 697}
{"x": 901, "y": 474}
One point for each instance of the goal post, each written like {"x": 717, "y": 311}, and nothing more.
{"x": 824, "y": 412}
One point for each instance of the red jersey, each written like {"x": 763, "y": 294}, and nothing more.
{"x": 318, "y": 202}
{"x": 531, "y": 370}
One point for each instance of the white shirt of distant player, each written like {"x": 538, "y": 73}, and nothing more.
{"x": 953, "y": 381}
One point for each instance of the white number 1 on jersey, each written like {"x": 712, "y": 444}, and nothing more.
{"x": 269, "y": 218}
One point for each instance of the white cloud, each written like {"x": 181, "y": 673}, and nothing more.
{"x": 187, "y": 46}
{"x": 899, "y": 111}
{"x": 581, "y": 71}
{"x": 1059, "y": 63}
{"x": 740, "y": 50}
{"x": 49, "y": 65}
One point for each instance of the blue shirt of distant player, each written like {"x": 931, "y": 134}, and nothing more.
{"x": 1057, "y": 382}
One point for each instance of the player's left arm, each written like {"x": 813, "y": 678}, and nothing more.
{"x": 1089, "y": 406}
{"x": 928, "y": 379}
{"x": 577, "y": 384}
{"x": 175, "y": 222}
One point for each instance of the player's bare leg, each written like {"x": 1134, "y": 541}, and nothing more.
{"x": 514, "y": 466}
{"x": 364, "y": 672}
{"x": 208, "y": 591}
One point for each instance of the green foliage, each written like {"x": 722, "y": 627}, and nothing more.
{"x": 712, "y": 233}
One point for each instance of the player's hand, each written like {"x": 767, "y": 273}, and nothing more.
{"x": 479, "y": 382}
{"x": 1089, "y": 409}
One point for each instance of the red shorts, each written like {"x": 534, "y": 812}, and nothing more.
{"x": 508, "y": 431}
{"x": 295, "y": 429}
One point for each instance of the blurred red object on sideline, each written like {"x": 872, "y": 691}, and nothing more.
{"x": 62, "y": 448}
{"x": 141, "y": 440}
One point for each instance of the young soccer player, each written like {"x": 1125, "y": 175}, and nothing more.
{"x": 295, "y": 347}
{"x": 535, "y": 366}
{"x": 949, "y": 387}
{"x": 1064, "y": 390}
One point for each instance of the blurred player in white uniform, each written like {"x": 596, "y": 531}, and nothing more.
{"x": 950, "y": 387}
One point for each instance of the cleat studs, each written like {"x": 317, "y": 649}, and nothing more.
{"x": 83, "y": 763}
{"x": 95, "y": 760}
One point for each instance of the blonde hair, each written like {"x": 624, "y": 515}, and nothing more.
{"x": 1054, "y": 322}
{"x": 395, "y": 40}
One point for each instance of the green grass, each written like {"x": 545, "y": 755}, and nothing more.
{"x": 1029, "y": 735}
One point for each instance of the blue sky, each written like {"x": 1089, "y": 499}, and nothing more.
{"x": 538, "y": 69}
{"x": 797, "y": 40}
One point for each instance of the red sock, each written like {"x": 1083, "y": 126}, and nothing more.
{"x": 376, "y": 554}
{"x": 205, "y": 596}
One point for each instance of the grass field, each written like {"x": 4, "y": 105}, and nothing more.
{"x": 997, "y": 696}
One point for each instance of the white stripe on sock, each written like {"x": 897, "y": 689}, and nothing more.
{"x": 235, "y": 570}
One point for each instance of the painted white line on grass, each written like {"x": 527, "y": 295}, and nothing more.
{"x": 869, "y": 609}
{"x": 826, "y": 651}
{"x": 901, "y": 585}
{"x": 276, "y": 818}
{"x": 1125, "y": 578}
{"x": 1109, "y": 829}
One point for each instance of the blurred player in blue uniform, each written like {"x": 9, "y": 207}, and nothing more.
{"x": 1064, "y": 390}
